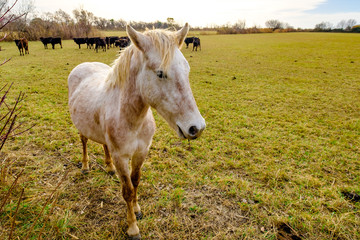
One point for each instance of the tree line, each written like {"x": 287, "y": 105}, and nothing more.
{"x": 83, "y": 23}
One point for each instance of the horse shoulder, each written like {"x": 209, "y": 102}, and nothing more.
{"x": 87, "y": 73}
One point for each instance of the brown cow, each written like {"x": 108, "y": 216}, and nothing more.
{"x": 22, "y": 45}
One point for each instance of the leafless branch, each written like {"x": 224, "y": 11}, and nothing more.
{"x": 9, "y": 127}
{"x": 7, "y": 11}
{"x": 14, "y": 216}
{"x": 10, "y": 190}
{"x": 46, "y": 203}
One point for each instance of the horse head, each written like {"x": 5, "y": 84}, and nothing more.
{"x": 163, "y": 79}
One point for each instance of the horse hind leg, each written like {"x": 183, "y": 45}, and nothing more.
{"x": 110, "y": 168}
{"x": 85, "y": 157}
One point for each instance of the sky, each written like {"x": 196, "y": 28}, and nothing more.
{"x": 203, "y": 13}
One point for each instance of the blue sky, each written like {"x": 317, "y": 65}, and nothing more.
{"x": 303, "y": 13}
{"x": 335, "y": 6}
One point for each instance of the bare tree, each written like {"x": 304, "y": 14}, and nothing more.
{"x": 84, "y": 20}
{"x": 170, "y": 22}
{"x": 240, "y": 25}
{"x": 341, "y": 25}
{"x": 323, "y": 27}
{"x": 349, "y": 24}
{"x": 274, "y": 24}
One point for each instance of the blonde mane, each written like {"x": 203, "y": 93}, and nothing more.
{"x": 163, "y": 40}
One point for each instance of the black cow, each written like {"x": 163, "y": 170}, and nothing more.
{"x": 45, "y": 41}
{"x": 80, "y": 41}
{"x": 22, "y": 45}
{"x": 196, "y": 43}
{"x": 113, "y": 40}
{"x": 90, "y": 42}
{"x": 100, "y": 42}
{"x": 123, "y": 42}
{"x": 54, "y": 41}
{"x": 188, "y": 40}
{"x": 110, "y": 41}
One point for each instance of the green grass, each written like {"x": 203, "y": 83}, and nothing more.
{"x": 281, "y": 145}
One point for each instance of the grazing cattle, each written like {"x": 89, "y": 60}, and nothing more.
{"x": 90, "y": 42}
{"x": 123, "y": 42}
{"x": 196, "y": 43}
{"x": 80, "y": 41}
{"x": 45, "y": 41}
{"x": 107, "y": 41}
{"x": 22, "y": 45}
{"x": 54, "y": 41}
{"x": 112, "y": 40}
{"x": 113, "y": 106}
{"x": 188, "y": 41}
{"x": 100, "y": 42}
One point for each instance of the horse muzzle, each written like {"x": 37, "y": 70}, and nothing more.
{"x": 191, "y": 131}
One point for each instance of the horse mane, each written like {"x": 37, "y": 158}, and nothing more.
{"x": 163, "y": 40}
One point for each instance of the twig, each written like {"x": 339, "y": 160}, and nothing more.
{"x": 5, "y": 61}
{"x": 114, "y": 176}
{"x": 10, "y": 189}
{"x": 3, "y": 87}
{"x": 19, "y": 133}
{"x": 46, "y": 203}
{"x": 5, "y": 94}
{"x": 97, "y": 164}
{"x": 3, "y": 37}
{"x": 13, "y": 110}
{"x": 16, "y": 211}
{"x": 50, "y": 212}
{"x": 3, "y": 139}
{"x": 11, "y": 18}
{"x": 9, "y": 9}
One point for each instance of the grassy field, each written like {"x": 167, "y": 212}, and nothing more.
{"x": 279, "y": 158}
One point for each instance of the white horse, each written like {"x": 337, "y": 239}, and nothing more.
{"x": 111, "y": 105}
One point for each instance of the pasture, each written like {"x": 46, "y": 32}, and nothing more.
{"x": 278, "y": 159}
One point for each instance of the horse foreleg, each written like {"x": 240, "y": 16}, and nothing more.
{"x": 136, "y": 164}
{"x": 110, "y": 168}
{"x": 128, "y": 192}
{"x": 85, "y": 157}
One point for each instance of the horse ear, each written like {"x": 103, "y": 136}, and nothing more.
{"x": 181, "y": 34}
{"x": 139, "y": 39}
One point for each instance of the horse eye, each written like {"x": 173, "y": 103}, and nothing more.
{"x": 160, "y": 74}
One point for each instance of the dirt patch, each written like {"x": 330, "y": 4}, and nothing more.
{"x": 285, "y": 232}
{"x": 353, "y": 197}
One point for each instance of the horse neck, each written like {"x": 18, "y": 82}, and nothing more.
{"x": 132, "y": 105}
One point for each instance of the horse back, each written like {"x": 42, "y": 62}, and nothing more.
{"x": 87, "y": 73}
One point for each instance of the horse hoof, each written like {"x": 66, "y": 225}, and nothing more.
{"x": 85, "y": 171}
{"x": 139, "y": 215}
{"x": 137, "y": 237}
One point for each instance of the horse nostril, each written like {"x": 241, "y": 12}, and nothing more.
{"x": 193, "y": 130}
